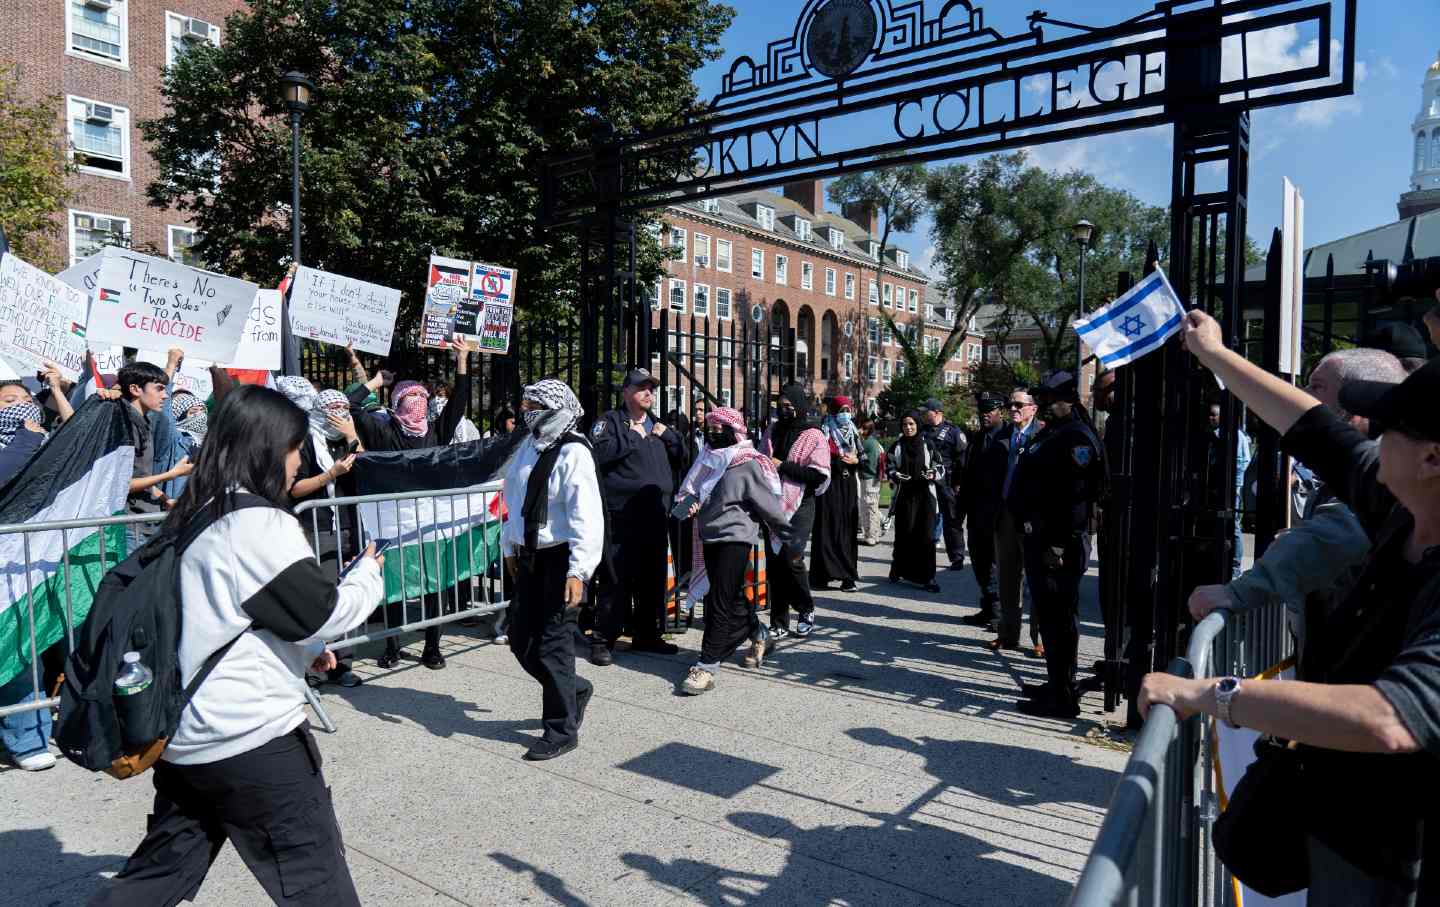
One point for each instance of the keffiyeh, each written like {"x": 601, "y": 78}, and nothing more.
{"x": 180, "y": 406}
{"x": 559, "y": 414}
{"x": 12, "y": 418}
{"x": 326, "y": 403}
{"x": 298, "y": 390}
{"x": 410, "y": 402}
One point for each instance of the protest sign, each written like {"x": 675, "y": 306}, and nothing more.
{"x": 260, "y": 344}
{"x": 151, "y": 303}
{"x": 193, "y": 374}
{"x": 340, "y": 310}
{"x": 470, "y": 298}
{"x": 494, "y": 288}
{"x": 41, "y": 319}
{"x": 84, "y": 275}
{"x": 447, "y": 291}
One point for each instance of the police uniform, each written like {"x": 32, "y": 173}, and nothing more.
{"x": 949, "y": 444}
{"x": 1057, "y": 480}
{"x": 637, "y": 476}
{"x": 980, "y": 502}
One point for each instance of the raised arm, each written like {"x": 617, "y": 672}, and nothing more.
{"x": 456, "y": 409}
{"x": 1276, "y": 401}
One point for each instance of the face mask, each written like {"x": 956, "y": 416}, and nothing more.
{"x": 844, "y": 419}
{"x": 533, "y": 417}
{"x": 718, "y": 440}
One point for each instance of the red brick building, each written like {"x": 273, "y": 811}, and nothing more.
{"x": 105, "y": 60}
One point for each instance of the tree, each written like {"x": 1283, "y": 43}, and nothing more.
{"x": 33, "y": 165}
{"x": 427, "y": 130}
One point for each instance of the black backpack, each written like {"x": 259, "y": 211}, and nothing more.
{"x": 136, "y": 609}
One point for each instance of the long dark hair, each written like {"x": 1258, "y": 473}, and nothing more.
{"x": 251, "y": 433}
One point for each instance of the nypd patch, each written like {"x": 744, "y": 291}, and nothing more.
{"x": 599, "y": 429}
{"x": 1080, "y": 453}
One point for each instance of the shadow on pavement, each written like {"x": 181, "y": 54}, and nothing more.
{"x": 548, "y": 882}
{"x": 439, "y": 713}
{"x": 73, "y": 878}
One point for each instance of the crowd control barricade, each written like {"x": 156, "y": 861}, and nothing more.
{"x": 1154, "y": 846}
{"x": 680, "y": 606}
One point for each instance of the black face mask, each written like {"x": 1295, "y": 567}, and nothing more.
{"x": 718, "y": 440}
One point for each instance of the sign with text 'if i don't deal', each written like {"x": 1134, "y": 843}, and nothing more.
{"x": 154, "y": 304}
{"x": 42, "y": 319}
{"x": 341, "y": 310}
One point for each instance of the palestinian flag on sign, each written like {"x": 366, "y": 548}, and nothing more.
{"x": 440, "y": 539}
{"x": 82, "y": 473}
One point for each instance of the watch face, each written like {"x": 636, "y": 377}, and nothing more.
{"x": 1228, "y": 685}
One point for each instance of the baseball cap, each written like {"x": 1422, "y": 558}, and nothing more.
{"x": 934, "y": 405}
{"x": 640, "y": 376}
{"x": 1408, "y": 407}
{"x": 1400, "y": 340}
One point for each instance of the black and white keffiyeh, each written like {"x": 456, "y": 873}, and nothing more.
{"x": 559, "y": 414}
{"x": 180, "y": 406}
{"x": 13, "y": 417}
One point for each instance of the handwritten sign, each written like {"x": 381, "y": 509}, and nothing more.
{"x": 193, "y": 374}
{"x": 152, "y": 303}
{"x": 340, "y": 310}
{"x": 41, "y": 318}
{"x": 109, "y": 360}
{"x": 447, "y": 292}
{"x": 260, "y": 344}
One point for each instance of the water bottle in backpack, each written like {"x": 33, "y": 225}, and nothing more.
{"x": 132, "y": 695}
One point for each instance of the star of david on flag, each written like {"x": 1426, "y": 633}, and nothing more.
{"x": 1136, "y": 323}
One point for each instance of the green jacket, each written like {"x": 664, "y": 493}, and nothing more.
{"x": 870, "y": 458}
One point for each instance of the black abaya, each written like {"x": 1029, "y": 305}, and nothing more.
{"x": 834, "y": 546}
{"x": 913, "y": 512}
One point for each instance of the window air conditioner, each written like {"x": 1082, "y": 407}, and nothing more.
{"x": 196, "y": 30}
{"x": 102, "y": 5}
{"x": 84, "y": 222}
{"x": 702, "y": 261}
{"x": 99, "y": 113}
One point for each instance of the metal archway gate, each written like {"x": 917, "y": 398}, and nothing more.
{"x": 926, "y": 88}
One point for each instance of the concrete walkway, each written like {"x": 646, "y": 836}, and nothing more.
{"x": 879, "y": 762}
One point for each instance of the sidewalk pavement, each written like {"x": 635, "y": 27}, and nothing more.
{"x": 880, "y": 761}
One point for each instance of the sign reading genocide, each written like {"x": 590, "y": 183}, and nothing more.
{"x": 447, "y": 292}
{"x": 334, "y": 309}
{"x": 151, "y": 303}
{"x": 41, "y": 318}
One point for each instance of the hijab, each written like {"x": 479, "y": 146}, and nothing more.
{"x": 786, "y": 429}
{"x": 559, "y": 413}
{"x": 410, "y": 402}
{"x": 912, "y": 450}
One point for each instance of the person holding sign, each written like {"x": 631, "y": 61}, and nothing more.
{"x": 143, "y": 388}
{"x": 408, "y": 427}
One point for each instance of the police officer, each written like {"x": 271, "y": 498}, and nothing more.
{"x": 1057, "y": 481}
{"x": 948, "y": 442}
{"x": 636, "y": 454}
{"x": 981, "y": 500}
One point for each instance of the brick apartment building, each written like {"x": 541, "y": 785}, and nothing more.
{"x": 808, "y": 279}
{"x": 105, "y": 59}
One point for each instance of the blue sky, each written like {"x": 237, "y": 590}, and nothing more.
{"x": 1350, "y": 157}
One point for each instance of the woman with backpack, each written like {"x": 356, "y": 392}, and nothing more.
{"x": 242, "y": 765}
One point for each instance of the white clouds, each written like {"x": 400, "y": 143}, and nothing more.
{"x": 1388, "y": 68}
{"x": 1283, "y": 49}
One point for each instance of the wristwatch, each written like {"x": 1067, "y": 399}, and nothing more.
{"x": 1226, "y": 689}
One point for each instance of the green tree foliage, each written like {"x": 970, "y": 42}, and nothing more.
{"x": 426, "y": 132}
{"x": 33, "y": 166}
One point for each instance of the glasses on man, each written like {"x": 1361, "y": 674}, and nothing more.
{"x": 1017, "y": 405}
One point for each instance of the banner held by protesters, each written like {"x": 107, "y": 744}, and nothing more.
{"x": 341, "y": 310}
{"x": 42, "y": 319}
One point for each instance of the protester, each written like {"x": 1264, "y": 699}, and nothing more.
{"x": 21, "y": 435}
{"x": 732, "y": 487}
{"x": 442, "y": 393}
{"x": 916, "y": 471}
{"x": 242, "y": 765}
{"x": 178, "y": 431}
{"x": 1009, "y": 533}
{"x": 1057, "y": 481}
{"x": 1365, "y": 719}
{"x": 552, "y": 545}
{"x": 408, "y": 427}
{"x": 801, "y": 454}
{"x": 834, "y": 554}
{"x": 636, "y": 455}
{"x": 143, "y": 388}
{"x": 948, "y": 442}
{"x": 871, "y": 454}
{"x": 980, "y": 501}
{"x": 502, "y": 423}
{"x": 54, "y": 397}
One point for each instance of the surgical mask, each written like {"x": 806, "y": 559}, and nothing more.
{"x": 844, "y": 419}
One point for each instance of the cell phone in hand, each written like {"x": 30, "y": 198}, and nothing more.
{"x": 380, "y": 546}
{"x": 681, "y": 510}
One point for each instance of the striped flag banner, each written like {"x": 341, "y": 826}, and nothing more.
{"x": 1135, "y": 324}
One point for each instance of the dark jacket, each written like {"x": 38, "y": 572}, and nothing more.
{"x": 949, "y": 444}
{"x": 1057, "y": 480}
{"x": 632, "y": 467}
{"x": 984, "y": 472}
{"x": 17, "y": 453}
{"x": 379, "y": 434}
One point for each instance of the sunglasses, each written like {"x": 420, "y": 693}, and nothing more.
{"x": 1013, "y": 405}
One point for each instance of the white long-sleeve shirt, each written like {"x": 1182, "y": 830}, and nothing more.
{"x": 255, "y": 566}
{"x": 576, "y": 513}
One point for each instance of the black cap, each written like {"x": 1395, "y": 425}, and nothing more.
{"x": 1399, "y": 340}
{"x": 934, "y": 405}
{"x": 1058, "y": 386}
{"x": 640, "y": 376}
{"x": 988, "y": 401}
{"x": 1408, "y": 406}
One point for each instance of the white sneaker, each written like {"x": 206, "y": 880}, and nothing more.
{"x": 36, "y": 762}
{"x": 698, "y": 681}
{"x": 805, "y": 625}
{"x": 503, "y": 639}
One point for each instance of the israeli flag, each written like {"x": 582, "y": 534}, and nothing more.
{"x": 1136, "y": 323}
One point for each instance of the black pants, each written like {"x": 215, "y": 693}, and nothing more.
{"x": 637, "y": 552}
{"x": 271, "y": 803}
{"x": 788, "y": 580}
{"x": 1055, "y": 597}
{"x": 982, "y": 558}
{"x": 542, "y": 636}
{"x": 730, "y": 619}
{"x": 954, "y": 529}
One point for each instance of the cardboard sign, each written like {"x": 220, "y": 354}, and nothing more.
{"x": 193, "y": 374}
{"x": 260, "y": 344}
{"x": 340, "y": 310}
{"x": 493, "y": 287}
{"x": 447, "y": 293}
{"x": 85, "y": 276}
{"x": 41, "y": 318}
{"x": 152, "y": 303}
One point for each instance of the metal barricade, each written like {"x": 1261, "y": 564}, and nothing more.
{"x": 1154, "y": 846}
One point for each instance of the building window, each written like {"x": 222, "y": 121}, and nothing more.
{"x": 710, "y": 206}
{"x": 849, "y": 286}
{"x": 915, "y": 301}
{"x": 802, "y": 229}
{"x": 872, "y": 248}
{"x": 900, "y": 367}
{"x": 702, "y": 250}
{"x": 757, "y": 264}
{"x": 782, "y": 269}
{"x": 727, "y": 347}
{"x": 871, "y": 365}
{"x": 974, "y": 353}
{"x": 677, "y": 296}
{"x": 723, "y": 249}
{"x": 932, "y": 344}
{"x": 1420, "y": 151}
{"x": 885, "y": 370}
{"x": 1012, "y": 352}
{"x": 99, "y": 137}
{"x": 993, "y": 355}
{"x": 181, "y": 239}
{"x": 183, "y": 33}
{"x": 652, "y": 295}
{"x": 874, "y": 325}
{"x": 807, "y": 276}
{"x": 829, "y": 281}
{"x": 849, "y": 366}
{"x": 874, "y": 294}
{"x": 702, "y": 299}
{"x": 677, "y": 242}
{"x": 837, "y": 239}
{"x": 889, "y": 333}
{"x": 889, "y": 289}
{"x": 902, "y": 258}
{"x": 722, "y": 303}
{"x": 766, "y": 216}
{"x": 89, "y": 233}
{"x": 99, "y": 31}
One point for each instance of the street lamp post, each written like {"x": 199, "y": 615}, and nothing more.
{"x": 1081, "y": 231}
{"x": 297, "y": 98}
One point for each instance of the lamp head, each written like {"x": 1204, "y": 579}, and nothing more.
{"x": 1082, "y": 231}
{"x": 297, "y": 90}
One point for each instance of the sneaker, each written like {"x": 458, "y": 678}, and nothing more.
{"x": 1064, "y": 707}
{"x": 777, "y": 633}
{"x": 698, "y": 681}
{"x": 756, "y": 656}
{"x": 849, "y": 586}
{"x": 657, "y": 646}
{"x": 958, "y": 564}
{"x": 885, "y": 525}
{"x": 978, "y": 619}
{"x": 932, "y": 587}
{"x": 545, "y": 749}
{"x": 432, "y": 659}
{"x": 37, "y": 761}
{"x": 390, "y": 659}
{"x": 502, "y": 640}
{"x": 805, "y": 625}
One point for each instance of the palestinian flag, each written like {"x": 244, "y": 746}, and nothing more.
{"x": 440, "y": 539}
{"x": 81, "y": 473}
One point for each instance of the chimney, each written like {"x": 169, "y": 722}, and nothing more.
{"x": 864, "y": 215}
{"x": 809, "y": 194}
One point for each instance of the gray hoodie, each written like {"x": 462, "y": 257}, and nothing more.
{"x": 741, "y": 499}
